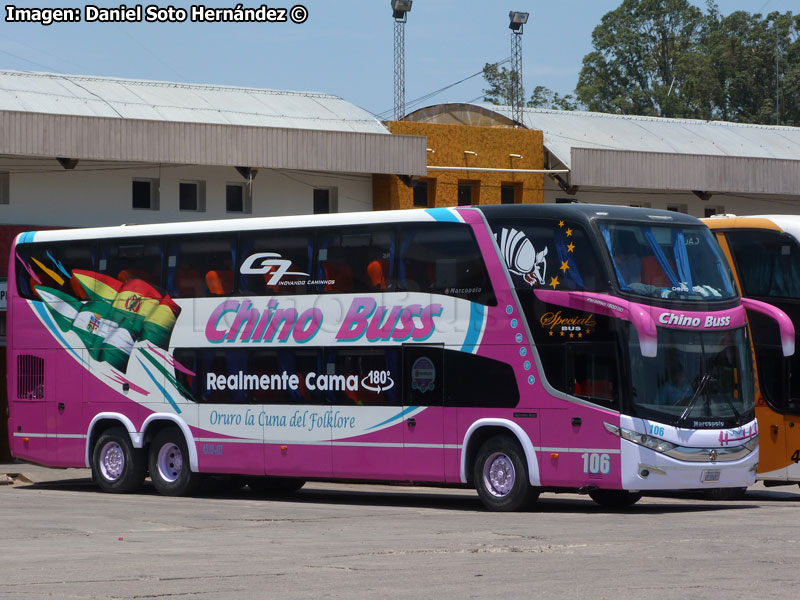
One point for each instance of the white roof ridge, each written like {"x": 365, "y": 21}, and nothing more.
{"x": 167, "y": 84}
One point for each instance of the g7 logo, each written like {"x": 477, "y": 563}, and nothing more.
{"x": 264, "y": 263}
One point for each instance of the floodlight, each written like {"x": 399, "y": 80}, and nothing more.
{"x": 518, "y": 19}
{"x": 400, "y": 8}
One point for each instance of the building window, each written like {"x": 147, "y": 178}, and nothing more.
{"x": 192, "y": 195}
{"x": 710, "y": 211}
{"x": 145, "y": 194}
{"x": 237, "y": 198}
{"x": 425, "y": 193}
{"x": 325, "y": 201}
{"x": 681, "y": 208}
{"x": 640, "y": 204}
{"x": 468, "y": 193}
{"x": 511, "y": 193}
{"x": 4, "y": 191}
{"x": 567, "y": 201}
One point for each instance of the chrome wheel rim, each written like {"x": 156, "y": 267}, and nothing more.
{"x": 170, "y": 462}
{"x": 499, "y": 475}
{"x": 112, "y": 461}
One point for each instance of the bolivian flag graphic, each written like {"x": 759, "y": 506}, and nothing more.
{"x": 115, "y": 317}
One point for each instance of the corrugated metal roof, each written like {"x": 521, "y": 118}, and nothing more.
{"x": 82, "y": 95}
{"x": 564, "y": 130}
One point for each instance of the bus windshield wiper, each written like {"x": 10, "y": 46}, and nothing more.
{"x": 704, "y": 381}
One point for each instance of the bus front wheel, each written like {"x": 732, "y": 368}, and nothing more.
{"x": 117, "y": 466}
{"x": 169, "y": 464}
{"x": 501, "y": 475}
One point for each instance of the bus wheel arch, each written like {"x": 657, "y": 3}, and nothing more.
{"x": 156, "y": 422}
{"x": 484, "y": 429}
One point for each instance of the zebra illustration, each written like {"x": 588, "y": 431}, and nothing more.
{"x": 521, "y": 256}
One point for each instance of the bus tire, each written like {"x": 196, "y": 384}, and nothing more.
{"x": 500, "y": 474}
{"x": 117, "y": 466}
{"x": 277, "y": 486}
{"x": 169, "y": 464}
{"x": 615, "y": 498}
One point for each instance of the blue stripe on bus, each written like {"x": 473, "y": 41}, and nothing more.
{"x": 398, "y": 416}
{"x": 475, "y": 328}
{"x": 159, "y": 386}
{"x": 443, "y": 215}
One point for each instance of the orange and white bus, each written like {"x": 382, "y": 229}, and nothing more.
{"x": 764, "y": 254}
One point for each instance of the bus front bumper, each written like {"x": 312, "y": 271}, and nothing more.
{"x": 646, "y": 469}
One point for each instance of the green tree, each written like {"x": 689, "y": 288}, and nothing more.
{"x": 642, "y": 55}
{"x": 543, "y": 97}
{"x": 501, "y": 84}
{"x": 668, "y": 58}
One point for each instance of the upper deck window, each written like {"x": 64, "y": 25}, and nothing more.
{"x": 549, "y": 254}
{"x": 443, "y": 259}
{"x": 672, "y": 262}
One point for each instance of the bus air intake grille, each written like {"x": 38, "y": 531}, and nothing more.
{"x": 30, "y": 377}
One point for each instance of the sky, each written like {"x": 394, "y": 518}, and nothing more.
{"x": 345, "y": 47}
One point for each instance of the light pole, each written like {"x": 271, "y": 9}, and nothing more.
{"x": 400, "y": 9}
{"x": 517, "y": 20}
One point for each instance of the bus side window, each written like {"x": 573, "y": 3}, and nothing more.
{"x": 133, "y": 259}
{"x": 443, "y": 259}
{"x": 52, "y": 265}
{"x": 199, "y": 267}
{"x": 274, "y": 263}
{"x": 355, "y": 260}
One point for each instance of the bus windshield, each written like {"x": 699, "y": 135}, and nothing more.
{"x": 667, "y": 261}
{"x": 697, "y": 380}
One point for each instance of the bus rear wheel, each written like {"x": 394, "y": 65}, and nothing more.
{"x": 615, "y": 498}
{"x": 117, "y": 466}
{"x": 500, "y": 474}
{"x": 169, "y": 464}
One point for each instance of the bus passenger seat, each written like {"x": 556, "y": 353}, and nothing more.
{"x": 128, "y": 274}
{"x": 340, "y": 275}
{"x": 220, "y": 283}
{"x": 376, "y": 274}
{"x": 188, "y": 283}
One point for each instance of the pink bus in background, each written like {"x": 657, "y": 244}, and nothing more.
{"x": 513, "y": 349}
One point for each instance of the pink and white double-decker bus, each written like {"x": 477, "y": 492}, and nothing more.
{"x": 513, "y": 349}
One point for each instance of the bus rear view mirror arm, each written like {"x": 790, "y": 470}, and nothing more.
{"x": 784, "y": 322}
{"x": 609, "y": 306}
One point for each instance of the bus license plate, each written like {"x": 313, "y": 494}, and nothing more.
{"x": 710, "y": 476}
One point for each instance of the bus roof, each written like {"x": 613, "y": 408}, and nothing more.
{"x": 587, "y": 213}
{"x": 240, "y": 224}
{"x": 785, "y": 223}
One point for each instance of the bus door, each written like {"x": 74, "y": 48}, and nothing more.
{"x": 424, "y": 420}
{"x": 366, "y": 412}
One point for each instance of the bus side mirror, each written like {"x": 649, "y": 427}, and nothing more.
{"x": 785, "y": 324}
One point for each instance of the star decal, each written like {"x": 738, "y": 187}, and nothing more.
{"x": 580, "y": 335}
{"x": 588, "y": 332}
{"x": 571, "y": 247}
{"x": 571, "y": 335}
{"x": 564, "y": 265}
{"x": 554, "y": 282}
{"x": 562, "y": 334}
{"x": 561, "y": 223}
{"x": 550, "y": 333}
{"x": 568, "y": 232}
